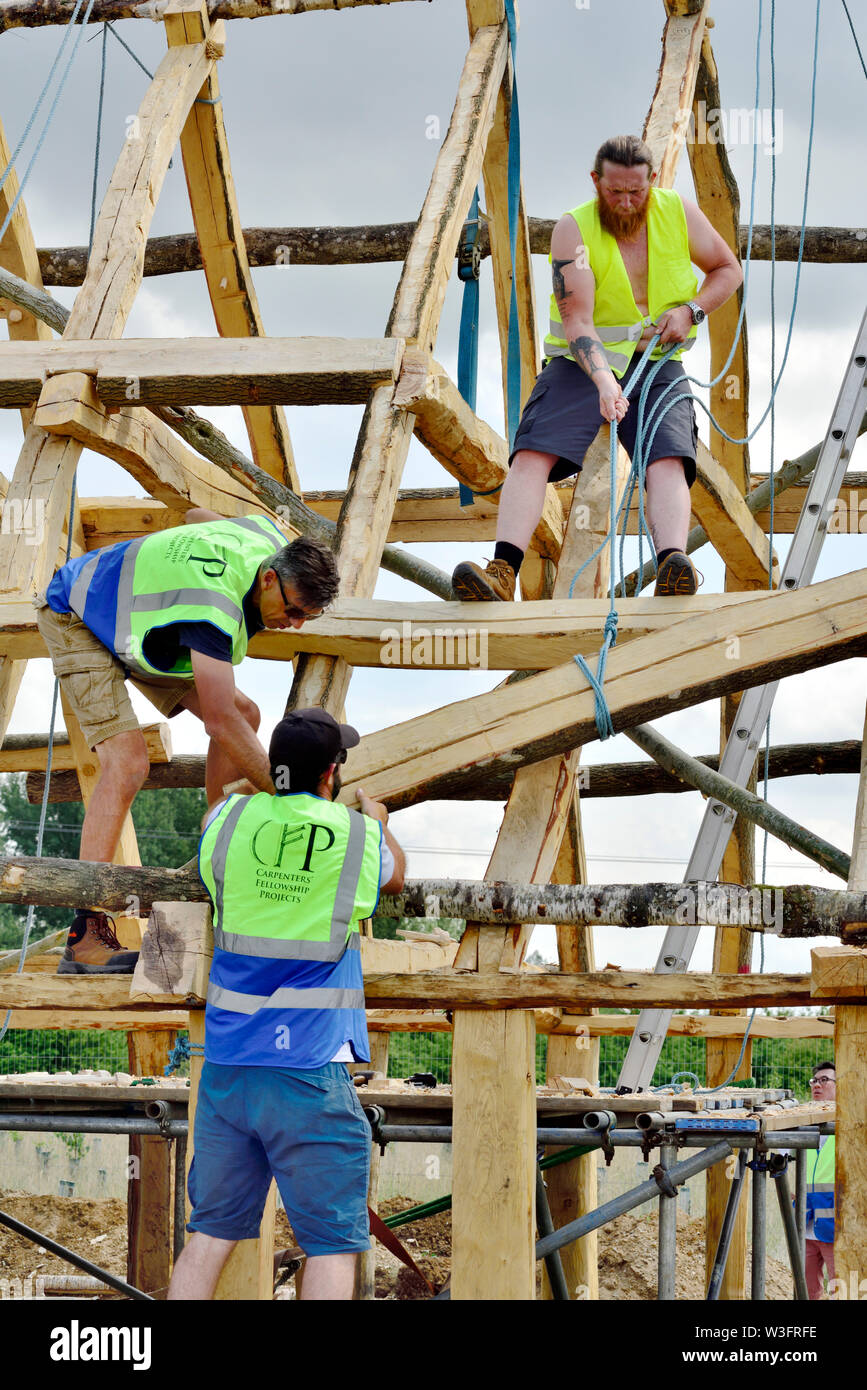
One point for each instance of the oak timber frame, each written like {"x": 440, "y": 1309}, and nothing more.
{"x": 498, "y": 1008}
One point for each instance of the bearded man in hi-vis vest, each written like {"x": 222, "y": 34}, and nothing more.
{"x": 622, "y": 268}
{"x": 172, "y": 612}
{"x": 290, "y": 877}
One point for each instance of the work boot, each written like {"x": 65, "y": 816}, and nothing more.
{"x": 496, "y": 581}
{"x": 92, "y": 948}
{"x": 676, "y": 576}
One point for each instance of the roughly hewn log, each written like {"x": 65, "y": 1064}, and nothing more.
{"x": 795, "y": 911}
{"x": 287, "y": 246}
{"x": 596, "y": 779}
{"x": 28, "y": 14}
{"x": 744, "y": 802}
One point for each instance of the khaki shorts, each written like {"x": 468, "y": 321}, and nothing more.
{"x": 94, "y": 682}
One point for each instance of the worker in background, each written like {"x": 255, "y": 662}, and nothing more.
{"x": 819, "y": 1250}
{"x": 172, "y": 612}
{"x": 622, "y": 267}
{"x": 290, "y": 875}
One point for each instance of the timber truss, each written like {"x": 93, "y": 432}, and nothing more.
{"x": 522, "y": 741}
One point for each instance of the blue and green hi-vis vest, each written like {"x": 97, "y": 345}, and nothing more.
{"x": 290, "y": 878}
{"x": 187, "y": 574}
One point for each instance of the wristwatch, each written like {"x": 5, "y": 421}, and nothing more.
{"x": 698, "y": 313}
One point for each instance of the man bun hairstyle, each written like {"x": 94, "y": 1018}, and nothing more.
{"x": 311, "y": 567}
{"x": 628, "y": 150}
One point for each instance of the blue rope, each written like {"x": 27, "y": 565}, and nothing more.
{"x": 49, "y": 118}
{"x": 602, "y": 713}
{"x": 35, "y": 112}
{"x": 182, "y": 1051}
{"x": 134, "y": 56}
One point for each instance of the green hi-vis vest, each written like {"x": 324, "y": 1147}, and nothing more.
{"x": 820, "y": 1191}
{"x": 290, "y": 876}
{"x": 189, "y": 574}
{"x": 671, "y": 280}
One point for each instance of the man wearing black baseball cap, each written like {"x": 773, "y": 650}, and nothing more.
{"x": 290, "y": 877}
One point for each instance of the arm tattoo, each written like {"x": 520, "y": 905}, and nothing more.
{"x": 560, "y": 290}
{"x": 589, "y": 354}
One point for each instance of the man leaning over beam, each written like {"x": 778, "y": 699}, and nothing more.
{"x": 622, "y": 267}
{"x": 290, "y": 875}
{"x": 173, "y": 613}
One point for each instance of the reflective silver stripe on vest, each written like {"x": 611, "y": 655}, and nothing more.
{"x": 78, "y": 592}
{"x": 167, "y": 598}
{"x": 123, "y": 616}
{"x": 281, "y": 948}
{"x": 218, "y": 862}
{"x": 616, "y": 360}
{"x": 285, "y": 998}
{"x": 254, "y": 526}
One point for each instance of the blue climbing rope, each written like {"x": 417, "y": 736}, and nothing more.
{"x": 182, "y": 1051}
{"x": 51, "y": 113}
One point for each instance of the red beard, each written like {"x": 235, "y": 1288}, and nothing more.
{"x": 622, "y": 225}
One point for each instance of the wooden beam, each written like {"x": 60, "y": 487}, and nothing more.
{"x": 101, "y": 1020}
{"x": 675, "y": 84}
{"x": 33, "y": 758}
{"x": 43, "y": 475}
{"x": 464, "y": 444}
{"x": 70, "y": 407}
{"x": 206, "y": 371}
{"x": 386, "y": 433}
{"x": 496, "y": 183}
{"x": 208, "y": 170}
{"x": 375, "y": 245}
{"x": 553, "y": 711}
{"x": 452, "y": 989}
{"x": 556, "y": 1023}
{"x": 731, "y": 528}
{"x": 149, "y": 1185}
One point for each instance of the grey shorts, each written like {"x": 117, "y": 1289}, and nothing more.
{"x": 562, "y": 417}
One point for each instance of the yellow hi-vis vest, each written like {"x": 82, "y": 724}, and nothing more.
{"x": 671, "y": 280}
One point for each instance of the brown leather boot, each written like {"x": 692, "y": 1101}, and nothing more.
{"x": 496, "y": 581}
{"x": 676, "y": 577}
{"x": 92, "y": 948}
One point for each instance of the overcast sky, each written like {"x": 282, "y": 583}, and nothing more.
{"x": 328, "y": 117}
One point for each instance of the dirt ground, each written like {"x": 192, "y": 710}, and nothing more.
{"x": 627, "y": 1249}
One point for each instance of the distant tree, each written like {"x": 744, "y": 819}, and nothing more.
{"x": 167, "y": 825}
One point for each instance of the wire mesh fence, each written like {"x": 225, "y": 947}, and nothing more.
{"x": 776, "y": 1062}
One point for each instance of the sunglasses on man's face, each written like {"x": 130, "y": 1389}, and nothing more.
{"x": 292, "y": 609}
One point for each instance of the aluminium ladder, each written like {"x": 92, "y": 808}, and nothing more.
{"x": 742, "y": 747}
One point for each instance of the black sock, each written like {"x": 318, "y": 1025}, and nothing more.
{"x": 504, "y": 550}
{"x": 78, "y": 927}
{"x": 664, "y": 554}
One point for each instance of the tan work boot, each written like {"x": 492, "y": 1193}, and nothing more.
{"x": 496, "y": 581}
{"x": 92, "y": 948}
{"x": 676, "y": 577}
